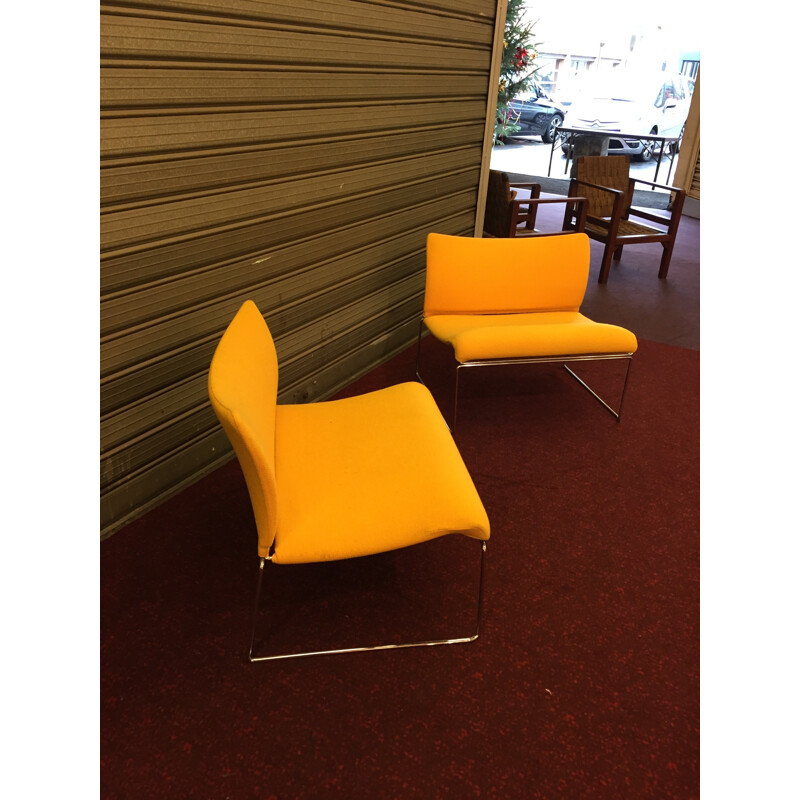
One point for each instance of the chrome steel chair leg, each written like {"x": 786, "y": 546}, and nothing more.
{"x": 256, "y": 604}
{"x": 428, "y": 643}
{"x": 624, "y": 388}
{"x": 480, "y": 592}
{"x": 419, "y": 346}
{"x": 455, "y": 399}
{"x": 591, "y": 391}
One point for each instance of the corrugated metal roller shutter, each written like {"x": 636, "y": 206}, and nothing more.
{"x": 296, "y": 153}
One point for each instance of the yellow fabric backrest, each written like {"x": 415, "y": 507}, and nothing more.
{"x": 505, "y": 276}
{"x": 243, "y": 388}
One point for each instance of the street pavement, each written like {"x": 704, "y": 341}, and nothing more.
{"x": 533, "y": 157}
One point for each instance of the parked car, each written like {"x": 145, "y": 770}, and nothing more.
{"x": 537, "y": 114}
{"x": 623, "y": 102}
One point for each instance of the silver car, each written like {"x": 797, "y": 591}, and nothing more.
{"x": 628, "y": 103}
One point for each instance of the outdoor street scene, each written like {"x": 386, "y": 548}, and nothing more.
{"x": 627, "y": 84}
{"x": 541, "y": 160}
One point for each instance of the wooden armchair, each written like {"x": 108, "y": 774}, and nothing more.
{"x": 606, "y": 184}
{"x": 507, "y": 216}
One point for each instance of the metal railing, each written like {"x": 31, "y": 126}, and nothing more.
{"x": 665, "y": 146}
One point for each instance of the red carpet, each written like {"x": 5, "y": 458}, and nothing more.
{"x": 583, "y": 684}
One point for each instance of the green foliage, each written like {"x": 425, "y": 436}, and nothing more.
{"x": 516, "y": 69}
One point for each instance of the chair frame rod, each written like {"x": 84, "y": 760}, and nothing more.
{"x": 591, "y": 391}
{"x": 419, "y": 346}
{"x": 537, "y": 360}
{"x": 429, "y": 643}
{"x": 551, "y": 360}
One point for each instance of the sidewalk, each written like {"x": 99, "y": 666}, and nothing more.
{"x": 530, "y": 161}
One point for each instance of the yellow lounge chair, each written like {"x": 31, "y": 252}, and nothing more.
{"x": 343, "y": 478}
{"x": 516, "y": 301}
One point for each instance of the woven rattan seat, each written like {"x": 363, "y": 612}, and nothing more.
{"x": 626, "y": 228}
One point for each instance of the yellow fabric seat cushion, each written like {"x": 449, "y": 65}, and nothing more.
{"x": 369, "y": 474}
{"x": 477, "y": 337}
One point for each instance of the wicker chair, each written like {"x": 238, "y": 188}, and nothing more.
{"x": 606, "y": 184}
{"x": 509, "y": 217}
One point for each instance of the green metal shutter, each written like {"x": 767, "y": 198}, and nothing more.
{"x": 295, "y": 152}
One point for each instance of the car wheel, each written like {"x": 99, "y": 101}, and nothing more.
{"x": 649, "y": 147}
{"x": 676, "y": 147}
{"x": 553, "y": 126}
